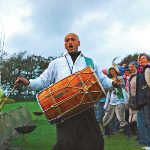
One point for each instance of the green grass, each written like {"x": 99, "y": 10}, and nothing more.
{"x": 44, "y": 136}
{"x": 119, "y": 142}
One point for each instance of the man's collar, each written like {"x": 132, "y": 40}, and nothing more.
{"x": 65, "y": 54}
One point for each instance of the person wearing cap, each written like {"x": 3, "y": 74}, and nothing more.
{"x": 117, "y": 98}
{"x": 131, "y": 103}
{"x": 143, "y": 90}
{"x": 132, "y": 91}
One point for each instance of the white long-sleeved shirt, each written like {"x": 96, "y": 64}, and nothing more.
{"x": 59, "y": 69}
{"x": 113, "y": 99}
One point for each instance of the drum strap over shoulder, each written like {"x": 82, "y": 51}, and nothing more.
{"x": 89, "y": 62}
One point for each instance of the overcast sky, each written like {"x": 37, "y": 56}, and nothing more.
{"x": 106, "y": 28}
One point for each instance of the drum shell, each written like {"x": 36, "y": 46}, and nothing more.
{"x": 71, "y": 95}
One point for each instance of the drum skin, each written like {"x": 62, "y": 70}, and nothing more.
{"x": 71, "y": 95}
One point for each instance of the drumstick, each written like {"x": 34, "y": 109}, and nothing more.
{"x": 7, "y": 96}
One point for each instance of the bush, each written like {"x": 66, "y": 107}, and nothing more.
{"x": 8, "y": 101}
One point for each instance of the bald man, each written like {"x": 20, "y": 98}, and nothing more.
{"x": 81, "y": 132}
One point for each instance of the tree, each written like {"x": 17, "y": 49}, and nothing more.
{"x": 21, "y": 64}
{"x": 128, "y": 59}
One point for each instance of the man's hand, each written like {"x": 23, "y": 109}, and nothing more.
{"x": 22, "y": 81}
{"x": 116, "y": 83}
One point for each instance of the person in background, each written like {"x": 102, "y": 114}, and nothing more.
{"x": 142, "y": 137}
{"x": 131, "y": 103}
{"x": 126, "y": 77}
{"x": 116, "y": 98}
{"x": 141, "y": 125}
{"x": 143, "y": 90}
{"x": 114, "y": 125}
{"x": 105, "y": 71}
{"x": 100, "y": 112}
{"x": 121, "y": 69}
{"x": 124, "y": 64}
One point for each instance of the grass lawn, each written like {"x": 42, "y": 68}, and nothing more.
{"x": 44, "y": 136}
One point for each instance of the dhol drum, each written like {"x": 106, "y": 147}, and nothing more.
{"x": 71, "y": 95}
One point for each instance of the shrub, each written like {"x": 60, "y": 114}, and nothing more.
{"x": 8, "y": 101}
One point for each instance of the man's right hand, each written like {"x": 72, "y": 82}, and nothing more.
{"x": 22, "y": 81}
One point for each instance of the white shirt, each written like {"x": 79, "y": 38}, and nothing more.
{"x": 113, "y": 99}
{"x": 59, "y": 69}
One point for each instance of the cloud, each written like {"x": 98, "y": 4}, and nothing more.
{"x": 15, "y": 20}
{"x": 106, "y": 28}
{"x": 115, "y": 31}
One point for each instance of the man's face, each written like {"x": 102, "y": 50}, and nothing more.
{"x": 71, "y": 43}
{"x": 143, "y": 60}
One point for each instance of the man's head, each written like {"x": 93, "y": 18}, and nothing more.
{"x": 72, "y": 42}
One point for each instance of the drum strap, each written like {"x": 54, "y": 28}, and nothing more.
{"x": 89, "y": 62}
{"x": 69, "y": 65}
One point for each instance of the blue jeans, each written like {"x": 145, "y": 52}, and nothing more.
{"x": 141, "y": 124}
{"x": 100, "y": 112}
{"x": 116, "y": 124}
{"x": 146, "y": 111}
